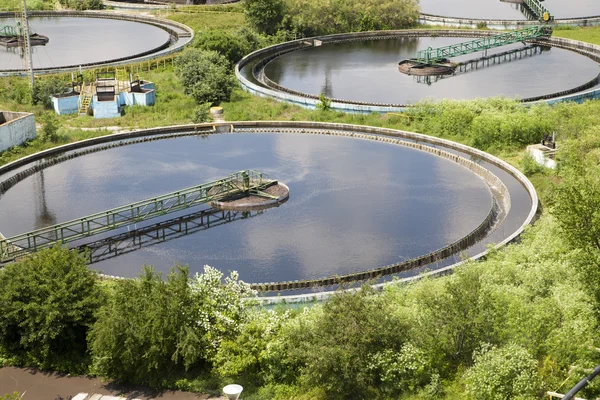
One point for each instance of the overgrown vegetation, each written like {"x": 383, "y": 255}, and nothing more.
{"x": 310, "y": 17}
{"x": 205, "y": 75}
{"x": 47, "y": 305}
{"x": 177, "y": 324}
{"x": 81, "y": 5}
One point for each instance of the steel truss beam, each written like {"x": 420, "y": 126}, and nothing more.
{"x": 236, "y": 184}
{"x": 541, "y": 12}
{"x": 133, "y": 240}
{"x": 484, "y": 62}
{"x": 437, "y": 55}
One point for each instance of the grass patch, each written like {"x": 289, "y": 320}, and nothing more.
{"x": 223, "y": 21}
{"x": 585, "y": 34}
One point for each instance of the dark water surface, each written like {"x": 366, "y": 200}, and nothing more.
{"x": 368, "y": 71}
{"x": 354, "y": 204}
{"x": 75, "y": 40}
{"x": 496, "y": 9}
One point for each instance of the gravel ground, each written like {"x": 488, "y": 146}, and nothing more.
{"x": 37, "y": 385}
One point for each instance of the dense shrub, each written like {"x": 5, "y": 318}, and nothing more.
{"x": 508, "y": 372}
{"x": 83, "y": 4}
{"x": 46, "y": 87}
{"x": 151, "y": 330}
{"x": 265, "y": 15}
{"x": 202, "y": 113}
{"x": 249, "y": 356}
{"x": 231, "y": 47}
{"x": 335, "y": 346}
{"x": 206, "y": 75}
{"x": 47, "y": 304}
{"x": 50, "y": 127}
{"x": 311, "y": 17}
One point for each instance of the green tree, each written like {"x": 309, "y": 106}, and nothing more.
{"x": 265, "y": 15}
{"x": 151, "y": 329}
{"x": 47, "y": 304}
{"x": 246, "y": 357}
{"x": 577, "y": 196}
{"x": 50, "y": 127}
{"x": 45, "y": 88}
{"x": 312, "y": 17}
{"x": 230, "y": 46}
{"x": 205, "y": 75}
{"x": 333, "y": 347}
{"x": 508, "y": 372}
{"x": 451, "y": 315}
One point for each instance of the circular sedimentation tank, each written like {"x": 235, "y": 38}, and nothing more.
{"x": 94, "y": 39}
{"x": 364, "y": 203}
{"x": 360, "y": 71}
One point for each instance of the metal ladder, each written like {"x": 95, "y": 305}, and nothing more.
{"x": 85, "y": 98}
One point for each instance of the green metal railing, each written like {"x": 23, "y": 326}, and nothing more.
{"x": 133, "y": 240}
{"x": 248, "y": 181}
{"x": 11, "y": 31}
{"x": 541, "y": 12}
{"x": 432, "y": 56}
{"x": 8, "y": 31}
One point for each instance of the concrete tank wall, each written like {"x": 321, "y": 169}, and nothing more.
{"x": 472, "y": 23}
{"x": 15, "y": 129}
{"x": 261, "y": 57}
{"x": 106, "y": 109}
{"x": 66, "y": 105}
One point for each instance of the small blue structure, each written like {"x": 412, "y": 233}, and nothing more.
{"x": 109, "y": 99}
{"x": 66, "y": 103}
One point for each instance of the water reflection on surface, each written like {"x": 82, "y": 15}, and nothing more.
{"x": 75, "y": 40}
{"x": 368, "y": 71}
{"x": 353, "y": 204}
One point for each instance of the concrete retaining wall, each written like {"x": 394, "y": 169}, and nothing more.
{"x": 106, "y": 109}
{"x": 15, "y": 129}
{"x": 472, "y": 23}
{"x": 66, "y": 104}
{"x": 53, "y": 156}
{"x": 146, "y": 98}
{"x": 262, "y": 57}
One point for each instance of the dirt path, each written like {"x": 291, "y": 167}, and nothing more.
{"x": 36, "y": 385}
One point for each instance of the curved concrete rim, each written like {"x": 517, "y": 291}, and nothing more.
{"x": 281, "y": 125}
{"x": 262, "y": 57}
{"x": 177, "y": 41}
{"x": 499, "y": 205}
{"x": 432, "y": 19}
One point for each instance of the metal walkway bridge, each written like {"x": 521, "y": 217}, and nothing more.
{"x": 236, "y": 184}
{"x": 135, "y": 239}
{"x": 480, "y": 63}
{"x": 432, "y": 56}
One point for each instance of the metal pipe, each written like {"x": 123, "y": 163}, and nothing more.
{"x": 581, "y": 384}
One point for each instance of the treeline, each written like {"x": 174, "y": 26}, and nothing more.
{"x": 311, "y": 17}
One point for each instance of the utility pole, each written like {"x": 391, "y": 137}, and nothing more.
{"x": 27, "y": 43}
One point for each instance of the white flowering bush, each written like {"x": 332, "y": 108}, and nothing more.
{"x": 400, "y": 371}
{"x": 248, "y": 355}
{"x": 507, "y": 372}
{"x": 151, "y": 328}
